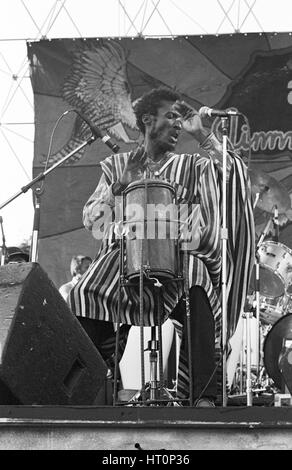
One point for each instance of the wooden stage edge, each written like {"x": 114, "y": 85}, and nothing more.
{"x": 147, "y": 428}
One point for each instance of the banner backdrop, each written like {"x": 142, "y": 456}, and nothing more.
{"x": 103, "y": 77}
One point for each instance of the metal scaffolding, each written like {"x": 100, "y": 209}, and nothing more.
{"x": 28, "y": 20}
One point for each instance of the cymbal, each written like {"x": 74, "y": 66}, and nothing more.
{"x": 271, "y": 192}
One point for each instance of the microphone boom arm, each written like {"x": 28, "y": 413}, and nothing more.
{"x": 42, "y": 175}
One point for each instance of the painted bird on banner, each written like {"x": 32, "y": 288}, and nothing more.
{"x": 97, "y": 86}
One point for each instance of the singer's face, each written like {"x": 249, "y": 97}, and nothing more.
{"x": 165, "y": 127}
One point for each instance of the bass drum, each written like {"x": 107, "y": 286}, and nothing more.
{"x": 277, "y": 340}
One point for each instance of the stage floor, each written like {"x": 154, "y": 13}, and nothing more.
{"x": 145, "y": 427}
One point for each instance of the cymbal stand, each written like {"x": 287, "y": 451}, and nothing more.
{"x": 257, "y": 295}
{"x": 264, "y": 233}
{"x": 249, "y": 313}
{"x": 257, "y": 312}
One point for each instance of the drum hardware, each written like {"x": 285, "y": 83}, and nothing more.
{"x": 149, "y": 261}
{"x": 275, "y": 277}
{"x": 276, "y": 261}
{"x": 247, "y": 315}
{"x": 251, "y": 310}
{"x": 268, "y": 303}
{"x": 250, "y": 380}
{"x": 248, "y": 370}
{"x": 256, "y": 200}
{"x": 270, "y": 296}
{"x": 277, "y": 352}
{"x": 257, "y": 310}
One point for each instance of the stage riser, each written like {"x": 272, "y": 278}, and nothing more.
{"x": 89, "y": 438}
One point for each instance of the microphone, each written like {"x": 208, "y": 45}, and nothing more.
{"x": 98, "y": 133}
{"x": 210, "y": 112}
{"x": 276, "y": 223}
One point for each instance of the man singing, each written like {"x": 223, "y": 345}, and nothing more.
{"x": 161, "y": 115}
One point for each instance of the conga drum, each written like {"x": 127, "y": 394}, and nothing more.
{"x": 151, "y": 230}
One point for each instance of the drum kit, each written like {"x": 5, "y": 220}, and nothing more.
{"x": 269, "y": 299}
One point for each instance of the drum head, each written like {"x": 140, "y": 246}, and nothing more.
{"x": 273, "y": 346}
{"x": 271, "y": 285}
{"x": 273, "y": 309}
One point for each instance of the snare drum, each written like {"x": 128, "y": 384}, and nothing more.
{"x": 275, "y": 260}
{"x": 151, "y": 228}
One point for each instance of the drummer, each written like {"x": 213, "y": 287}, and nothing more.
{"x": 161, "y": 116}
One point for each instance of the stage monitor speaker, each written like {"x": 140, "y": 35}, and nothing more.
{"x": 46, "y": 358}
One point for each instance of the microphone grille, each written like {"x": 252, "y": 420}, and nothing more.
{"x": 204, "y": 111}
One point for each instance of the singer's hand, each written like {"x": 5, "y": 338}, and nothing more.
{"x": 191, "y": 121}
{"x": 135, "y": 161}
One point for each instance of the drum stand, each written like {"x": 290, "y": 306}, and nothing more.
{"x": 156, "y": 387}
{"x": 158, "y": 394}
{"x": 153, "y": 393}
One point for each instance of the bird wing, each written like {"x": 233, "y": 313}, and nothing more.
{"x": 97, "y": 84}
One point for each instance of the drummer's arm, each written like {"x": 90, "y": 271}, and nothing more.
{"x": 101, "y": 199}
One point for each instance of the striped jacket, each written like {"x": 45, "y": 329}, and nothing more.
{"x": 197, "y": 180}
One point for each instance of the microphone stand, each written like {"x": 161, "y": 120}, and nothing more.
{"x": 3, "y": 253}
{"x": 224, "y": 238}
{"x": 42, "y": 175}
{"x": 36, "y": 227}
